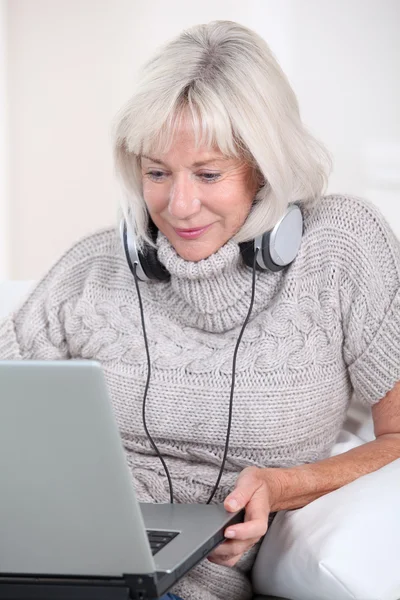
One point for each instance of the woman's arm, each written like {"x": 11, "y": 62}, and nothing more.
{"x": 297, "y": 486}
{"x": 264, "y": 490}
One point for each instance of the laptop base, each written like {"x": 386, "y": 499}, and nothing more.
{"x": 131, "y": 587}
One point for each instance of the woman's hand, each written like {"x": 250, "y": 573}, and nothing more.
{"x": 254, "y": 492}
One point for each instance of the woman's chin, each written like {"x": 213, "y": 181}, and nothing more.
{"x": 194, "y": 250}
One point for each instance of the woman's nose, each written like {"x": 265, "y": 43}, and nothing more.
{"x": 183, "y": 202}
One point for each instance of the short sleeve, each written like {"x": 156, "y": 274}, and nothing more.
{"x": 36, "y": 331}
{"x": 370, "y": 301}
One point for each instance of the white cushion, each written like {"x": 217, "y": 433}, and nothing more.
{"x": 344, "y": 545}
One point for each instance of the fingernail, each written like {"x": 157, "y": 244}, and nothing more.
{"x": 233, "y": 504}
{"x": 230, "y": 533}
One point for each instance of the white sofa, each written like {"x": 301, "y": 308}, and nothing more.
{"x": 11, "y": 293}
{"x": 330, "y": 549}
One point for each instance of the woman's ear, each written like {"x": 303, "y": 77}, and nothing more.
{"x": 257, "y": 178}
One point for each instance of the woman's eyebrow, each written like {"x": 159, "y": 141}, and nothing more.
{"x": 154, "y": 160}
{"x": 199, "y": 163}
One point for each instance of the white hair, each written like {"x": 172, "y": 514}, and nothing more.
{"x": 226, "y": 78}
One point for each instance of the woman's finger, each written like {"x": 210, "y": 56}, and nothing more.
{"x": 248, "y": 530}
{"x": 229, "y": 550}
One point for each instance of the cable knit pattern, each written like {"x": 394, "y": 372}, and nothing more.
{"x": 326, "y": 327}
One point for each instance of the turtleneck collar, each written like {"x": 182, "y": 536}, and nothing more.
{"x": 212, "y": 294}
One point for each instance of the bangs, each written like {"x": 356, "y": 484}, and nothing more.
{"x": 206, "y": 115}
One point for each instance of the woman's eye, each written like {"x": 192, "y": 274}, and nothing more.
{"x": 155, "y": 175}
{"x": 209, "y": 176}
{"x": 159, "y": 175}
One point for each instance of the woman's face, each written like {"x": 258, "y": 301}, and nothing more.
{"x": 197, "y": 198}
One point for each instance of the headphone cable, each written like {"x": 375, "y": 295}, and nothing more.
{"x": 171, "y": 492}
{"x": 228, "y": 431}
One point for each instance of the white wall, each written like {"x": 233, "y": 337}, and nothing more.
{"x": 72, "y": 63}
{"x": 347, "y": 77}
{"x": 4, "y": 197}
{"x": 68, "y": 65}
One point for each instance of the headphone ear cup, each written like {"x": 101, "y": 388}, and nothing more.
{"x": 278, "y": 247}
{"x": 266, "y": 254}
{"x": 247, "y": 250}
{"x": 149, "y": 267}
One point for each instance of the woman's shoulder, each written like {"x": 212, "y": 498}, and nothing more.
{"x": 92, "y": 247}
{"x": 96, "y": 251}
{"x": 349, "y": 223}
{"x": 352, "y": 235}
{"x": 96, "y": 258}
{"x": 343, "y": 212}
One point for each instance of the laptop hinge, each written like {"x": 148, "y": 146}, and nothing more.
{"x": 141, "y": 587}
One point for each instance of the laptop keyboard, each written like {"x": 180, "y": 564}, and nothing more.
{"x": 159, "y": 539}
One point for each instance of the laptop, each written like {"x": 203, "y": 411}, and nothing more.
{"x": 71, "y": 525}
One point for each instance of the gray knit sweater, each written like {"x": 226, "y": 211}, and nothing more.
{"x": 327, "y": 326}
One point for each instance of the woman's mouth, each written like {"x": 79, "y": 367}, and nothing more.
{"x": 191, "y": 234}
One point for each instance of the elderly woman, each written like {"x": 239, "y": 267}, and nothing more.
{"x": 227, "y": 227}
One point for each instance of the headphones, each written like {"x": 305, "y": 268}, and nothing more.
{"x": 277, "y": 248}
